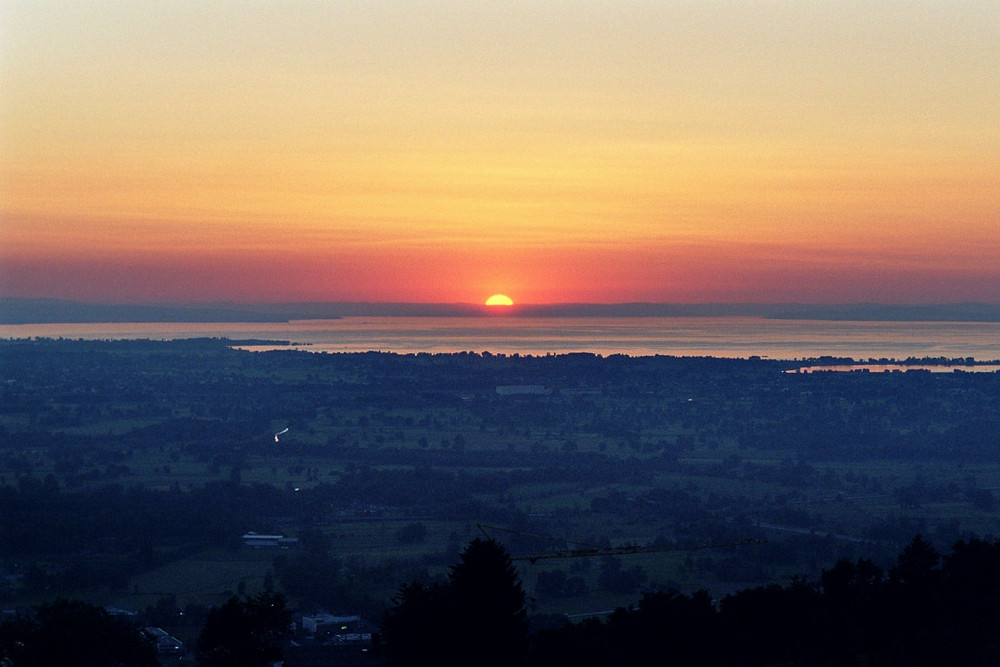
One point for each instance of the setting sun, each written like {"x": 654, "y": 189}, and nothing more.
{"x": 499, "y": 300}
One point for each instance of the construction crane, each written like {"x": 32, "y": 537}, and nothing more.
{"x": 591, "y": 550}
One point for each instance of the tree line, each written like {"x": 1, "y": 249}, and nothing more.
{"x": 928, "y": 608}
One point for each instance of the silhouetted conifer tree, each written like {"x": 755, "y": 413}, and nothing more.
{"x": 476, "y": 618}
{"x": 244, "y": 632}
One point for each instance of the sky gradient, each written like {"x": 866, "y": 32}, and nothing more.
{"x": 588, "y": 151}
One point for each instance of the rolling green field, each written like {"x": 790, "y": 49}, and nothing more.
{"x": 152, "y": 459}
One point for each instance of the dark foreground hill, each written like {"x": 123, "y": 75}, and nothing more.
{"x": 925, "y": 610}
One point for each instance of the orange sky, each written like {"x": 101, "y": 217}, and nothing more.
{"x": 594, "y": 150}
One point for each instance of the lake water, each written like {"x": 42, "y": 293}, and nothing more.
{"x": 636, "y": 336}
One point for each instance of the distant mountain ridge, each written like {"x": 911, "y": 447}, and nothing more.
{"x": 54, "y": 311}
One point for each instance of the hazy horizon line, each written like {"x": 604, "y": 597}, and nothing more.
{"x": 26, "y": 310}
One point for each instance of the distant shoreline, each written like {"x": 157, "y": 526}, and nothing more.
{"x": 54, "y": 311}
{"x": 797, "y": 365}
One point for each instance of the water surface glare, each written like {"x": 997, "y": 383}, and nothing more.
{"x": 637, "y": 336}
